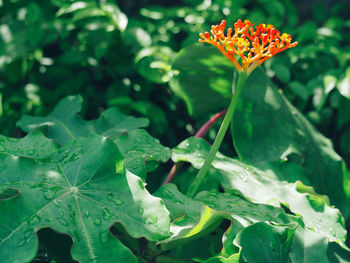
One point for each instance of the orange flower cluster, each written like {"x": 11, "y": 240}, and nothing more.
{"x": 252, "y": 46}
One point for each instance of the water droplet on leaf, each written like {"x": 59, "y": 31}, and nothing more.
{"x": 33, "y": 220}
{"x": 28, "y": 233}
{"x": 104, "y": 236}
{"x": 63, "y": 221}
{"x": 69, "y": 207}
{"x": 21, "y": 243}
{"x": 107, "y": 215}
{"x": 115, "y": 201}
{"x": 97, "y": 221}
{"x": 151, "y": 220}
{"x": 333, "y": 233}
{"x": 140, "y": 211}
{"x": 30, "y": 152}
{"x": 73, "y": 157}
{"x": 61, "y": 213}
{"x": 58, "y": 203}
{"x": 49, "y": 194}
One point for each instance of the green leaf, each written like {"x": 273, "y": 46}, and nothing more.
{"x": 194, "y": 217}
{"x": 82, "y": 10}
{"x": 81, "y": 190}
{"x": 345, "y": 143}
{"x": 141, "y": 151}
{"x": 263, "y": 243}
{"x": 309, "y": 246}
{"x": 185, "y": 214}
{"x": 282, "y": 72}
{"x": 265, "y": 187}
{"x": 203, "y": 79}
{"x": 344, "y": 84}
{"x": 64, "y": 124}
{"x": 34, "y": 145}
{"x": 154, "y": 64}
{"x": 300, "y": 90}
{"x": 306, "y": 246}
{"x": 337, "y": 254}
{"x": 266, "y": 127}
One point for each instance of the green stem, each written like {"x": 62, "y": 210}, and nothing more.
{"x": 220, "y": 136}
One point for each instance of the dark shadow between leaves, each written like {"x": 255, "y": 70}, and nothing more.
{"x": 57, "y": 246}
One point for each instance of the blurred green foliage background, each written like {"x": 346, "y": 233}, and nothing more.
{"x": 120, "y": 53}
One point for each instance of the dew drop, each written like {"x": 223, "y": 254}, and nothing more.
{"x": 86, "y": 213}
{"x": 333, "y": 233}
{"x": 115, "y": 201}
{"x": 73, "y": 157}
{"x": 58, "y": 203}
{"x": 107, "y": 214}
{"x": 30, "y": 152}
{"x": 21, "y": 243}
{"x": 104, "y": 236}
{"x": 69, "y": 208}
{"x": 140, "y": 211}
{"x": 48, "y": 220}
{"x": 49, "y": 194}
{"x": 63, "y": 221}
{"x": 61, "y": 213}
{"x": 97, "y": 221}
{"x": 151, "y": 220}
{"x": 33, "y": 220}
{"x": 167, "y": 194}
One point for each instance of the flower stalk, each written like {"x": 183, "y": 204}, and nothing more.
{"x": 220, "y": 136}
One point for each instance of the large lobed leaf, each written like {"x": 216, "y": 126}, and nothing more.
{"x": 272, "y": 227}
{"x": 34, "y": 145}
{"x": 319, "y": 221}
{"x": 204, "y": 83}
{"x": 141, "y": 151}
{"x": 64, "y": 123}
{"x": 266, "y": 127}
{"x": 81, "y": 190}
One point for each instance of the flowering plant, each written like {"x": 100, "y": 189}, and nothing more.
{"x": 82, "y": 190}
{"x": 252, "y": 47}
